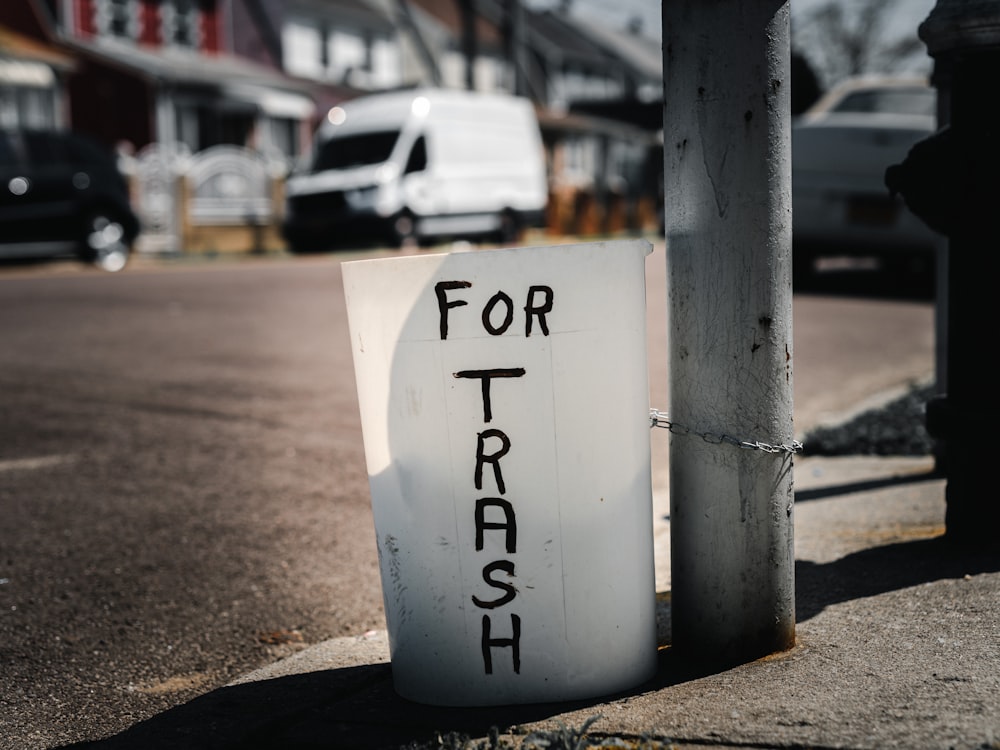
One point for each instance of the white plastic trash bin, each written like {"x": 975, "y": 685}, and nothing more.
{"x": 505, "y": 411}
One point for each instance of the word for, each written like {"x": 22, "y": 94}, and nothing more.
{"x": 501, "y": 301}
{"x": 495, "y": 514}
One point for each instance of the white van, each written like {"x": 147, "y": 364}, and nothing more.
{"x": 420, "y": 164}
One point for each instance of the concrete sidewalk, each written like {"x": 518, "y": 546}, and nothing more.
{"x": 898, "y": 645}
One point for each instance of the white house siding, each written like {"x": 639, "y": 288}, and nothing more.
{"x": 303, "y": 48}
{"x": 323, "y": 51}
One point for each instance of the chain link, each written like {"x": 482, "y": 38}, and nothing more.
{"x": 661, "y": 419}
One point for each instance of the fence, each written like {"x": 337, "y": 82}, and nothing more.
{"x": 222, "y": 199}
{"x": 231, "y": 199}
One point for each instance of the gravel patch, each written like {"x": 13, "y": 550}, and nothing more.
{"x": 896, "y": 429}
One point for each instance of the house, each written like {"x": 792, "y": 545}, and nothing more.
{"x": 627, "y": 126}
{"x": 32, "y": 82}
{"x": 603, "y": 168}
{"x": 190, "y": 75}
{"x": 469, "y": 47}
{"x": 340, "y": 48}
{"x": 597, "y": 91}
{"x": 346, "y": 43}
{"x": 159, "y": 71}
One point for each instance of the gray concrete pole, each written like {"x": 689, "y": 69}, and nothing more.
{"x": 727, "y": 156}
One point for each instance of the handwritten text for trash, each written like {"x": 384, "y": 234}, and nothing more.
{"x": 491, "y": 446}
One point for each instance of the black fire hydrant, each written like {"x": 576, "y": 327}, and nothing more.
{"x": 952, "y": 182}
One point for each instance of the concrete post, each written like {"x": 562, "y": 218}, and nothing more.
{"x": 727, "y": 159}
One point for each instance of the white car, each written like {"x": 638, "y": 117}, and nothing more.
{"x": 841, "y": 148}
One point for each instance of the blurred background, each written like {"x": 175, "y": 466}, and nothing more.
{"x": 208, "y": 106}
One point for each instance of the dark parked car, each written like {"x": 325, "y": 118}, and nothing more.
{"x": 63, "y": 195}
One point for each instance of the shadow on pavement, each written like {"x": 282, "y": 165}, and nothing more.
{"x": 868, "y": 485}
{"x": 353, "y": 707}
{"x": 356, "y": 707}
{"x": 879, "y": 570}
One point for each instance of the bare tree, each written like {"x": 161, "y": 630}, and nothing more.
{"x": 844, "y": 38}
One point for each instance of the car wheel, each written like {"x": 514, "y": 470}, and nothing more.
{"x": 509, "y": 230}
{"x": 404, "y": 229}
{"x": 105, "y": 244}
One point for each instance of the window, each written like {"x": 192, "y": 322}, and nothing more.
{"x": 575, "y": 83}
{"x": 27, "y": 107}
{"x": 8, "y": 157}
{"x": 284, "y": 136}
{"x": 418, "y": 157}
{"x": 452, "y": 65}
{"x": 355, "y": 150}
{"x": 202, "y": 123}
{"x": 348, "y": 53}
{"x": 302, "y": 44}
{"x": 180, "y": 23}
{"x": 580, "y": 159}
{"x": 118, "y": 18}
{"x": 327, "y": 50}
{"x": 386, "y": 63}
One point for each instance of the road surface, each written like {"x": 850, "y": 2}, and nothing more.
{"x": 182, "y": 483}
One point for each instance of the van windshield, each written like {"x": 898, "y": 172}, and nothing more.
{"x": 355, "y": 150}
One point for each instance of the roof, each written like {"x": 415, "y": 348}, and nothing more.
{"x": 551, "y": 32}
{"x": 642, "y": 53}
{"x": 356, "y": 11}
{"x": 20, "y": 47}
{"x": 235, "y": 76}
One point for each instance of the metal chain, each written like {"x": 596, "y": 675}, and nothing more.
{"x": 661, "y": 419}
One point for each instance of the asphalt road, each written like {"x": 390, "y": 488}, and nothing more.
{"x": 183, "y": 494}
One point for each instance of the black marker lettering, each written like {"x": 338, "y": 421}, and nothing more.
{"x": 488, "y": 311}
{"x": 486, "y": 376}
{"x": 493, "y": 458}
{"x": 514, "y": 642}
{"x": 509, "y": 591}
{"x": 444, "y": 303}
{"x": 509, "y": 525}
{"x": 531, "y": 310}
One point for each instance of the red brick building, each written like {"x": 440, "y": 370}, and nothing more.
{"x": 158, "y": 71}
